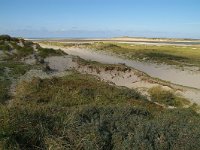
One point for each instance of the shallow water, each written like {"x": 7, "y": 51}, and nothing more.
{"x": 161, "y": 71}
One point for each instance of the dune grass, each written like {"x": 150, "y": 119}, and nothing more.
{"x": 16, "y": 49}
{"x": 46, "y": 52}
{"x": 10, "y": 71}
{"x": 166, "y": 97}
{"x": 13, "y": 51}
{"x": 81, "y": 112}
{"x": 4, "y": 90}
{"x": 174, "y": 55}
{"x": 168, "y": 54}
{"x": 74, "y": 90}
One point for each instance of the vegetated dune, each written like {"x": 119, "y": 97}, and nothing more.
{"x": 123, "y": 79}
{"x": 51, "y": 100}
{"x": 185, "y": 76}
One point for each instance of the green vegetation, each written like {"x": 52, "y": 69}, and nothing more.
{"x": 8, "y": 72}
{"x": 80, "y": 112}
{"x": 4, "y": 47}
{"x": 168, "y": 98}
{"x": 172, "y": 55}
{"x": 74, "y": 90}
{"x": 4, "y": 90}
{"x": 15, "y": 69}
{"x": 54, "y": 43}
{"x": 175, "y": 55}
{"x": 8, "y": 38}
{"x": 12, "y": 51}
{"x": 46, "y": 52}
{"x": 16, "y": 49}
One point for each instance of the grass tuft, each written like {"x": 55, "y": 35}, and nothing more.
{"x": 166, "y": 97}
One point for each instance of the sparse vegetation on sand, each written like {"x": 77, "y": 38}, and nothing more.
{"x": 173, "y": 55}
{"x": 169, "y": 54}
{"x": 9, "y": 71}
{"x": 16, "y": 49}
{"x": 12, "y": 53}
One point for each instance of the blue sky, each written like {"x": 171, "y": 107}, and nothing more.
{"x": 100, "y": 18}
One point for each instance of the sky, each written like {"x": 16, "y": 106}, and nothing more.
{"x": 100, "y": 18}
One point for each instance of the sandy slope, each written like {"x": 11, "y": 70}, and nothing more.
{"x": 130, "y": 78}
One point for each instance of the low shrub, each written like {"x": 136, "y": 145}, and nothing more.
{"x": 30, "y": 126}
{"x": 45, "y": 52}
